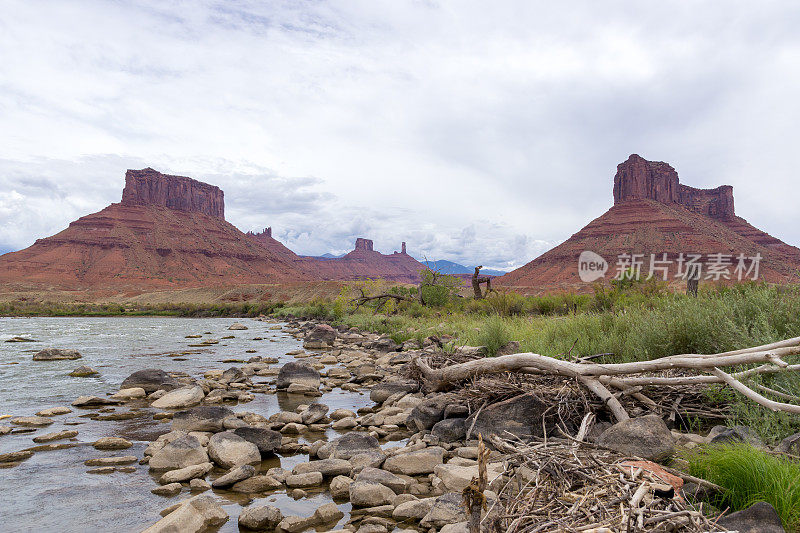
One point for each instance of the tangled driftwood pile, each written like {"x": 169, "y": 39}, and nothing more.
{"x": 566, "y": 485}
{"x": 630, "y": 379}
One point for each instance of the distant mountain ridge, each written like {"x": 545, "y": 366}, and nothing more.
{"x": 450, "y": 267}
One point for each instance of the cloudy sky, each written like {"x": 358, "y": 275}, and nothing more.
{"x": 477, "y": 132}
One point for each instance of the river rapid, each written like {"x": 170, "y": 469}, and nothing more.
{"x": 52, "y": 490}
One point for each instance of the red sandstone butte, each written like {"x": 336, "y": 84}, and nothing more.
{"x": 653, "y": 213}
{"x": 167, "y": 232}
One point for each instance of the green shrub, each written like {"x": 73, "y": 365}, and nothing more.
{"x": 749, "y": 475}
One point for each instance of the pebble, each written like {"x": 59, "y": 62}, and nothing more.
{"x": 56, "y": 435}
{"x": 199, "y": 485}
{"x": 102, "y": 470}
{"x": 112, "y": 443}
{"x": 111, "y": 461}
{"x": 169, "y": 490}
{"x": 54, "y": 411}
{"x": 31, "y": 421}
{"x": 15, "y": 457}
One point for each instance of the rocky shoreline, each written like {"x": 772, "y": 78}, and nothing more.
{"x": 402, "y": 463}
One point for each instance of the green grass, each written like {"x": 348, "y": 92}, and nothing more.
{"x": 749, "y": 475}
{"x": 494, "y": 335}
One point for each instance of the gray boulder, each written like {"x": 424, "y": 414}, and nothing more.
{"x": 194, "y": 515}
{"x": 520, "y": 416}
{"x": 385, "y": 344}
{"x": 186, "y": 474}
{"x": 447, "y": 509}
{"x": 790, "y": 444}
{"x": 370, "y": 494}
{"x": 180, "y": 453}
{"x": 382, "y": 391}
{"x": 450, "y": 429}
{"x": 83, "y": 372}
{"x": 314, "y": 413}
{"x": 260, "y": 517}
{"x": 203, "y": 418}
{"x": 233, "y": 375}
{"x": 266, "y": 440}
{"x": 346, "y": 446}
{"x": 326, "y": 467}
{"x": 647, "y": 437}
{"x": 760, "y": 517}
{"x": 151, "y": 380}
{"x": 236, "y": 474}
{"x": 321, "y": 336}
{"x": 228, "y": 450}
{"x": 382, "y": 477}
{"x": 180, "y": 398}
{"x": 56, "y": 354}
{"x": 427, "y": 413}
{"x": 734, "y": 434}
{"x": 415, "y": 463}
{"x": 297, "y": 373}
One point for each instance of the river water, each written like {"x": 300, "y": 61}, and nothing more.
{"x": 52, "y": 490}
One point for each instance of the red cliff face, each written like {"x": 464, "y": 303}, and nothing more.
{"x": 654, "y": 213}
{"x": 150, "y": 187}
{"x": 639, "y": 179}
{"x": 363, "y": 245}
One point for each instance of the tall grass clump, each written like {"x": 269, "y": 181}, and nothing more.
{"x": 494, "y": 334}
{"x": 749, "y": 475}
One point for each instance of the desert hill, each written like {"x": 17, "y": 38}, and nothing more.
{"x": 653, "y": 213}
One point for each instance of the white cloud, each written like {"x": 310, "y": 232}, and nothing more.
{"x": 477, "y": 134}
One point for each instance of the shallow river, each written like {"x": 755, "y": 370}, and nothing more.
{"x": 51, "y": 491}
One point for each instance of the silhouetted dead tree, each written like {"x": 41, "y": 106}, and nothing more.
{"x": 361, "y": 300}
{"x": 476, "y": 283}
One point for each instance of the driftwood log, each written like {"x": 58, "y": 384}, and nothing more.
{"x": 601, "y": 379}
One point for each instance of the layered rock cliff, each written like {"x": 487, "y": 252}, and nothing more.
{"x": 654, "y": 214}
{"x": 148, "y": 187}
{"x": 639, "y": 179}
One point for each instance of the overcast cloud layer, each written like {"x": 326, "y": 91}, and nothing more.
{"x": 477, "y": 132}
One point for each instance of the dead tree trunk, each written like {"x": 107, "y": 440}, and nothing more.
{"x": 692, "y": 280}
{"x": 476, "y": 283}
{"x": 474, "y": 498}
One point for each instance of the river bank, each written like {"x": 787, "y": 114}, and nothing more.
{"x": 296, "y": 425}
